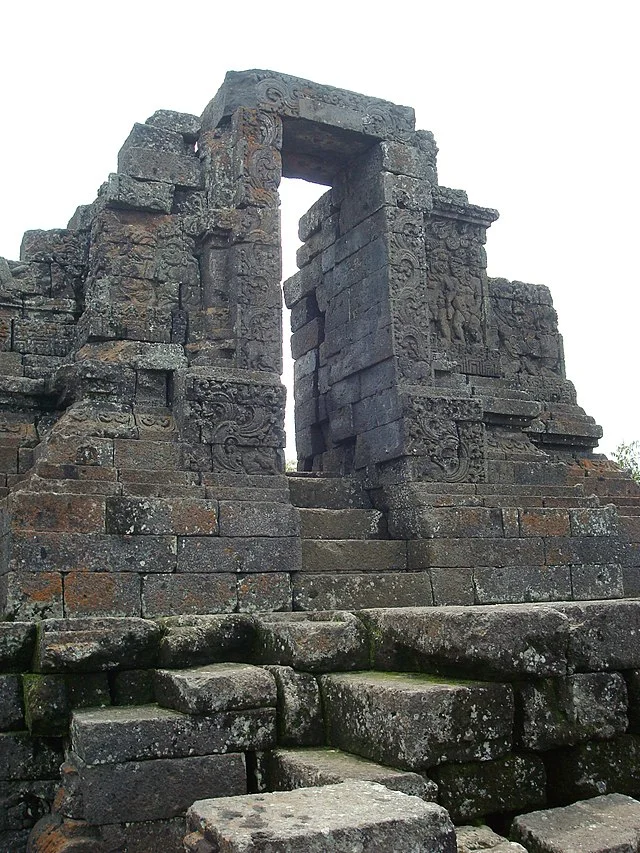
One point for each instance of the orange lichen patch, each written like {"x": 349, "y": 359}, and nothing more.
{"x": 544, "y": 522}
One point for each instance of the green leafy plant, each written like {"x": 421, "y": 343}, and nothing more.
{"x": 628, "y": 457}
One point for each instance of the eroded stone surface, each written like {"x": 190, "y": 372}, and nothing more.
{"x": 360, "y": 814}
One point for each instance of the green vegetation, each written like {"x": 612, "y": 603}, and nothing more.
{"x": 628, "y": 457}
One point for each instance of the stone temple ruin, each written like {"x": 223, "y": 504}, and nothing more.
{"x": 438, "y": 607}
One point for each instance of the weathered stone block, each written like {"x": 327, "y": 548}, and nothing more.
{"x": 167, "y": 595}
{"x": 499, "y": 641}
{"x": 342, "y": 524}
{"x": 415, "y": 722}
{"x": 377, "y": 819}
{"x": 239, "y": 554}
{"x": 196, "y": 640}
{"x": 17, "y": 642}
{"x": 129, "y": 193}
{"x": 299, "y": 716}
{"x": 31, "y": 595}
{"x": 287, "y": 769}
{"x": 52, "y": 512}
{"x": 473, "y": 838}
{"x": 246, "y": 518}
{"x": 513, "y": 783}
{"x": 155, "y": 516}
{"x": 604, "y": 635}
{"x": 312, "y": 642}
{"x": 451, "y": 587}
{"x": 347, "y": 555}
{"x": 342, "y": 591}
{"x": 47, "y": 704}
{"x": 597, "y": 767}
{"x": 600, "y": 825}
{"x": 11, "y": 708}
{"x": 25, "y": 757}
{"x": 513, "y": 584}
{"x": 155, "y": 789}
{"x": 95, "y": 644}
{"x": 217, "y": 687}
{"x": 102, "y": 594}
{"x": 179, "y": 169}
{"x": 560, "y": 712}
{"x": 596, "y": 582}
{"x": 475, "y": 552}
{"x": 68, "y": 552}
{"x": 264, "y": 592}
{"x": 121, "y": 734}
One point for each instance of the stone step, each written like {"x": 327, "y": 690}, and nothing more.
{"x": 287, "y": 769}
{"x": 215, "y": 688}
{"x": 158, "y": 490}
{"x": 415, "y": 722}
{"x": 606, "y": 824}
{"x": 342, "y": 524}
{"x": 356, "y": 590}
{"x": 349, "y": 555}
{"x": 311, "y": 491}
{"x": 353, "y": 815}
{"x": 120, "y": 734}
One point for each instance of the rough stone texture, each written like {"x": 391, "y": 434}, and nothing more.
{"x": 17, "y": 641}
{"x": 601, "y": 825}
{"x": 218, "y": 687}
{"x": 473, "y": 838}
{"x": 287, "y": 769}
{"x": 11, "y": 707}
{"x": 123, "y": 734}
{"x": 86, "y": 645}
{"x": 315, "y": 642}
{"x": 299, "y": 710}
{"x": 433, "y": 721}
{"x": 468, "y": 791}
{"x": 491, "y": 642}
{"x": 376, "y": 819}
{"x": 597, "y": 767}
{"x": 150, "y": 790}
{"x": 564, "y": 711}
{"x": 193, "y": 640}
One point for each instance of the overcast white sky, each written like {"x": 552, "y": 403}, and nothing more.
{"x": 534, "y": 106}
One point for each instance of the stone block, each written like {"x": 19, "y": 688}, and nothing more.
{"x": 167, "y": 595}
{"x": 157, "y": 516}
{"x": 603, "y": 635}
{"x": 264, "y": 592}
{"x": 377, "y": 819}
{"x": 122, "y": 734}
{"x": 600, "y": 521}
{"x": 22, "y": 802}
{"x": 155, "y": 789}
{"x": 131, "y": 194}
{"x": 17, "y": 642}
{"x": 454, "y": 553}
{"x": 47, "y": 704}
{"x": 514, "y": 584}
{"x": 197, "y": 640}
{"x": 53, "y": 512}
{"x": 299, "y": 715}
{"x": 31, "y": 595}
{"x": 633, "y": 691}
{"x": 287, "y": 769}
{"x": 131, "y": 687}
{"x": 561, "y": 712}
{"x": 95, "y": 644}
{"x": 346, "y": 555}
{"x": 207, "y": 690}
{"x": 601, "y": 825}
{"x": 513, "y": 783}
{"x": 155, "y": 138}
{"x": 183, "y": 123}
{"x": 445, "y": 522}
{"x": 11, "y": 708}
{"x": 26, "y": 757}
{"x": 146, "y": 455}
{"x": 239, "y": 554}
{"x": 544, "y": 522}
{"x": 102, "y": 594}
{"x": 311, "y": 642}
{"x": 473, "y": 838}
{"x": 346, "y": 591}
{"x": 248, "y": 518}
{"x": 594, "y": 550}
{"x": 452, "y": 587}
{"x": 414, "y": 722}
{"x": 179, "y": 169}
{"x": 499, "y": 641}
{"x": 593, "y": 768}
{"x": 68, "y": 552}
{"x": 342, "y": 524}
{"x": 597, "y": 582}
